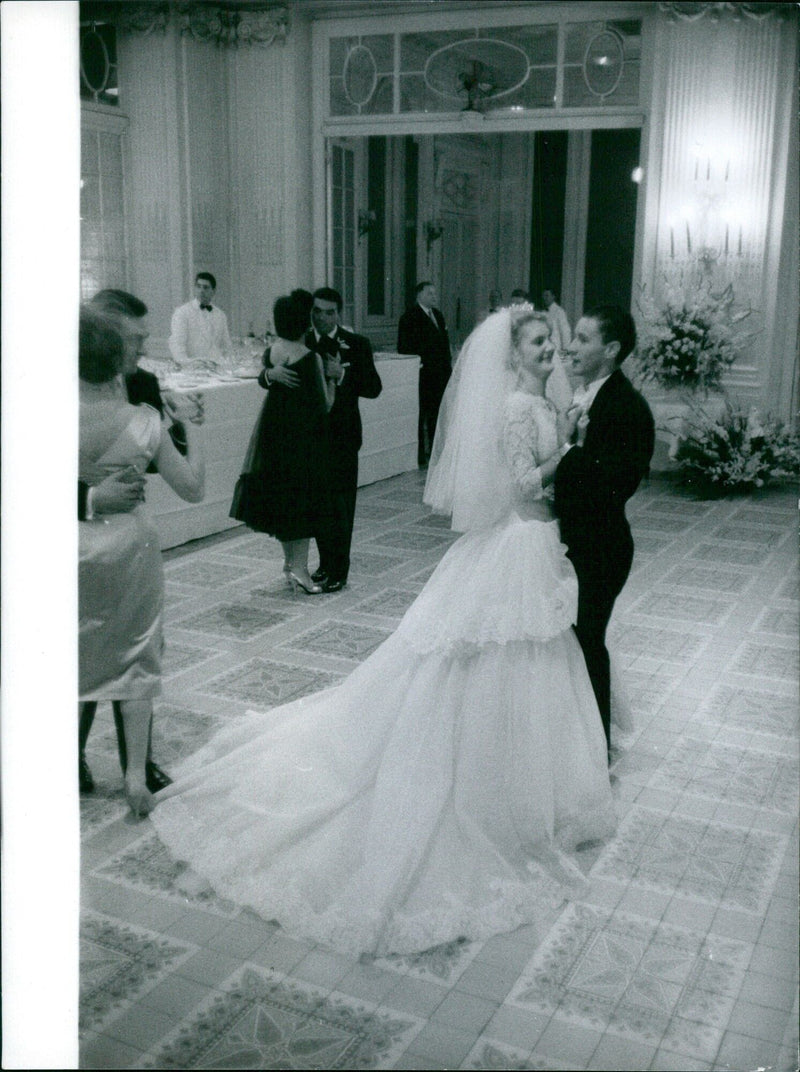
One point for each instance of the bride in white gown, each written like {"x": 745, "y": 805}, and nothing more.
{"x": 437, "y": 792}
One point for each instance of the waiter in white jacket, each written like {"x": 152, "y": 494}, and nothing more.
{"x": 199, "y": 332}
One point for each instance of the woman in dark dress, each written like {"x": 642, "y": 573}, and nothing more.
{"x": 284, "y": 486}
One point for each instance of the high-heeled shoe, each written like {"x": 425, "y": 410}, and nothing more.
{"x": 296, "y": 582}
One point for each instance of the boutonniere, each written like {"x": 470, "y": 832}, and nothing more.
{"x": 343, "y": 345}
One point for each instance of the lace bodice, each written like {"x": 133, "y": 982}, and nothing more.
{"x": 529, "y": 439}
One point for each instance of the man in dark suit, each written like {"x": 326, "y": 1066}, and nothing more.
{"x": 596, "y": 477}
{"x": 350, "y": 372}
{"x": 119, "y": 493}
{"x": 422, "y": 331}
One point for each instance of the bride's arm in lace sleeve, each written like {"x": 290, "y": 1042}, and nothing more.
{"x": 522, "y": 446}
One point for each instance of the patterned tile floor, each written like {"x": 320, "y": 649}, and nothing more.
{"x": 682, "y": 955}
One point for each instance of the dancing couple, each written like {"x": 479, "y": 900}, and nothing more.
{"x": 440, "y": 790}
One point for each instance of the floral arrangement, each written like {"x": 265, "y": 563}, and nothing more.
{"x": 690, "y": 342}
{"x": 739, "y": 452}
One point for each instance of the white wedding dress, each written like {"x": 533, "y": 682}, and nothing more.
{"x": 437, "y": 792}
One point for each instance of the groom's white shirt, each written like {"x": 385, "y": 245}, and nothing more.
{"x": 585, "y": 396}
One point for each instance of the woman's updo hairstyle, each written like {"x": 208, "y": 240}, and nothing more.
{"x": 100, "y": 347}
{"x": 520, "y": 315}
{"x": 290, "y": 314}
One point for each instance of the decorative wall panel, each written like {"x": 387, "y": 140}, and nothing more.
{"x": 149, "y": 96}
{"x": 721, "y": 99}
{"x": 261, "y": 136}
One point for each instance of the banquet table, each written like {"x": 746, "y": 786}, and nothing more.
{"x": 232, "y": 404}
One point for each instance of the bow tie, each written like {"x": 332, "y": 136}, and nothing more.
{"x": 206, "y": 308}
{"x": 325, "y": 346}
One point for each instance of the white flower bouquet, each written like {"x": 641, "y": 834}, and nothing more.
{"x": 689, "y": 343}
{"x": 739, "y": 452}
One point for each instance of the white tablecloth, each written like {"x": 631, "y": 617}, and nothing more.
{"x": 231, "y": 409}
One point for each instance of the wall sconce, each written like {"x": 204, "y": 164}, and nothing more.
{"x": 433, "y": 232}
{"x": 366, "y": 221}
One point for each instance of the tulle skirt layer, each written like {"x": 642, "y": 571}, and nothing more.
{"x": 509, "y": 582}
{"x": 428, "y": 797}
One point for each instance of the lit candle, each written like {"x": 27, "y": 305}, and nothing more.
{"x": 688, "y": 239}
{"x": 727, "y": 169}
{"x": 672, "y": 243}
{"x": 740, "y": 242}
{"x": 696, "y": 165}
{"x": 726, "y": 240}
{"x": 708, "y": 168}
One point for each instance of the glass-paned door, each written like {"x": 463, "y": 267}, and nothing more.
{"x": 342, "y": 227}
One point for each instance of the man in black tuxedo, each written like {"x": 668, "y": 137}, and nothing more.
{"x": 422, "y": 331}
{"x": 350, "y": 372}
{"x": 615, "y": 438}
{"x": 119, "y": 493}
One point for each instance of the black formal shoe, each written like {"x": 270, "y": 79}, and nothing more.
{"x": 85, "y": 779}
{"x": 319, "y": 575}
{"x": 333, "y": 586}
{"x": 154, "y": 777}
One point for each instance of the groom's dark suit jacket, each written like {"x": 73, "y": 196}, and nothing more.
{"x": 593, "y": 482}
{"x": 361, "y": 380}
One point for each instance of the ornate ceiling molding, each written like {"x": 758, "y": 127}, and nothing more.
{"x": 690, "y": 12}
{"x": 234, "y": 24}
{"x": 227, "y": 24}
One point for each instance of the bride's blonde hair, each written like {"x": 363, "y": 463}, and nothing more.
{"x": 520, "y": 315}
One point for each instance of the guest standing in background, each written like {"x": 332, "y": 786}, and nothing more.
{"x": 560, "y": 331}
{"x": 495, "y": 303}
{"x": 199, "y": 328}
{"x": 422, "y": 331}
{"x": 350, "y": 374}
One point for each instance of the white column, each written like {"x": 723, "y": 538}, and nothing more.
{"x": 156, "y": 193}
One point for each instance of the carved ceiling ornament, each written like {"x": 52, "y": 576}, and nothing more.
{"x": 226, "y": 23}
{"x": 690, "y": 12}
{"x": 234, "y": 24}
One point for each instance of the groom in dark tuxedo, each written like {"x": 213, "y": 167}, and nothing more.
{"x": 422, "y": 331}
{"x": 350, "y": 373}
{"x": 614, "y": 441}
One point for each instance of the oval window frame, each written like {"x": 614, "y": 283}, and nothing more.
{"x": 96, "y": 90}
{"x": 456, "y": 95}
{"x": 345, "y": 69}
{"x": 617, "y": 40}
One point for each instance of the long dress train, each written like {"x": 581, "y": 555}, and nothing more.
{"x": 435, "y": 793}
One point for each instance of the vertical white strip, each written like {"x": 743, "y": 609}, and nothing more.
{"x": 40, "y": 221}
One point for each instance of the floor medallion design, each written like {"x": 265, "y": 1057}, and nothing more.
{"x": 263, "y": 1021}
{"x": 646, "y": 981}
{"x": 721, "y": 864}
{"x": 118, "y": 962}
{"x": 148, "y": 866}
